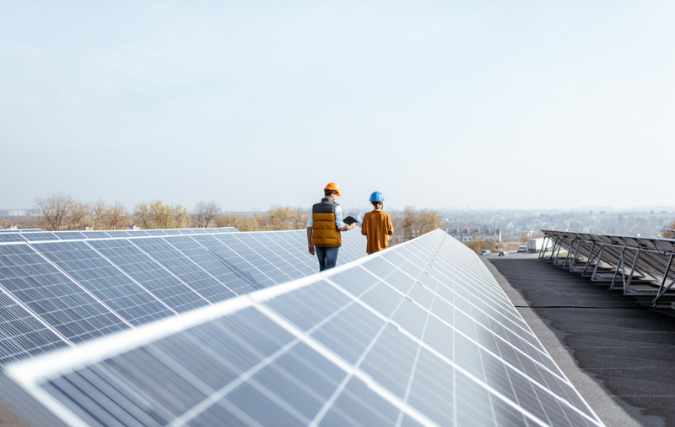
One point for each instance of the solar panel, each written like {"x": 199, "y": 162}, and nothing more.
{"x": 39, "y": 236}
{"x": 70, "y": 235}
{"x": 176, "y": 294}
{"x": 123, "y": 282}
{"x": 90, "y": 234}
{"x": 118, "y": 233}
{"x": 49, "y": 295}
{"x": 397, "y": 338}
{"x": 183, "y": 268}
{"x": 621, "y": 260}
{"x": 211, "y": 263}
{"x": 11, "y": 237}
{"x": 104, "y": 280}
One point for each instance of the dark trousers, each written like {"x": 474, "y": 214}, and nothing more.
{"x": 327, "y": 257}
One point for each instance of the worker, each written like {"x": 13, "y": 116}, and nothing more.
{"x": 377, "y": 226}
{"x": 324, "y": 227}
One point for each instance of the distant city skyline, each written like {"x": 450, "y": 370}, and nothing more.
{"x": 511, "y": 105}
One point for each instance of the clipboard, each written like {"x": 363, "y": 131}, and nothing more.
{"x": 349, "y": 220}
{"x": 358, "y": 218}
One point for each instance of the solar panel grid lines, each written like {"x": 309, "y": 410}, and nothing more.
{"x": 152, "y": 275}
{"x": 83, "y": 288}
{"x": 242, "y": 267}
{"x": 214, "y": 265}
{"x": 11, "y": 237}
{"x": 174, "y": 265}
{"x": 297, "y": 254}
{"x": 114, "y": 345}
{"x": 478, "y": 303}
{"x": 516, "y": 369}
{"x": 159, "y": 311}
{"x": 499, "y": 328}
{"x": 125, "y": 289}
{"x": 37, "y": 235}
{"x": 52, "y": 296}
{"x": 352, "y": 371}
{"x": 249, "y": 248}
{"x": 23, "y": 332}
{"x": 539, "y": 360}
{"x": 306, "y": 262}
{"x": 481, "y": 295}
{"x": 294, "y": 266}
{"x": 380, "y": 328}
{"x": 218, "y": 289}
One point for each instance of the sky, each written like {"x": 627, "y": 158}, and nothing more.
{"x": 437, "y": 104}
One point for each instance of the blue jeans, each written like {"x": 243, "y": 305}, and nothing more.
{"x": 327, "y": 257}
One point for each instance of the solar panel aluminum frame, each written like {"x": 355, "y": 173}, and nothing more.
{"x": 23, "y": 378}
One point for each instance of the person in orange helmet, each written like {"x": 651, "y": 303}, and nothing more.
{"x": 324, "y": 227}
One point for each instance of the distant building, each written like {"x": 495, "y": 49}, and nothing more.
{"x": 469, "y": 234}
{"x": 16, "y": 212}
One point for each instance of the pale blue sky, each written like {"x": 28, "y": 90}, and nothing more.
{"x": 500, "y": 104}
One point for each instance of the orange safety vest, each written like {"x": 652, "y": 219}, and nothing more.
{"x": 325, "y": 233}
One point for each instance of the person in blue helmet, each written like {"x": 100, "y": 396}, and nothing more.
{"x": 377, "y": 226}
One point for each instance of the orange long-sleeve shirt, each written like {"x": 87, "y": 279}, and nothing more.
{"x": 377, "y": 226}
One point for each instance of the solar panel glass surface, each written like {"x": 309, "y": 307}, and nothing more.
{"x": 49, "y": 294}
{"x": 134, "y": 280}
{"x": 105, "y": 281}
{"x": 374, "y": 343}
{"x": 145, "y": 271}
{"x": 183, "y": 268}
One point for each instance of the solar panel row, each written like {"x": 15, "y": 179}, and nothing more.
{"x": 63, "y": 292}
{"x": 19, "y": 230}
{"x": 420, "y": 334}
{"x": 37, "y": 235}
{"x": 623, "y": 258}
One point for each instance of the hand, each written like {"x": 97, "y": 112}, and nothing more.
{"x": 352, "y": 226}
{"x": 311, "y": 249}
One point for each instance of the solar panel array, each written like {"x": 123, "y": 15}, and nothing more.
{"x": 620, "y": 259}
{"x": 36, "y": 234}
{"x": 420, "y": 334}
{"x": 60, "y": 289}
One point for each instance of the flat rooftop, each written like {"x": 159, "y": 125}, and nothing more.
{"x": 618, "y": 351}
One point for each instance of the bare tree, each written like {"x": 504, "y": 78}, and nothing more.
{"x": 205, "y": 212}
{"x": 53, "y": 210}
{"x": 99, "y": 212}
{"x": 181, "y": 217}
{"x": 117, "y": 217}
{"x": 77, "y": 216}
{"x": 285, "y": 218}
{"x": 158, "y": 215}
{"x": 240, "y": 222}
{"x": 412, "y": 223}
{"x": 428, "y": 220}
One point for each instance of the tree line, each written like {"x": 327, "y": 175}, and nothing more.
{"x": 64, "y": 212}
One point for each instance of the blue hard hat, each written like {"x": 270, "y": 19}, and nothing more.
{"x": 376, "y": 197}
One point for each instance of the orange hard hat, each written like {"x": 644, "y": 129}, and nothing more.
{"x": 333, "y": 186}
